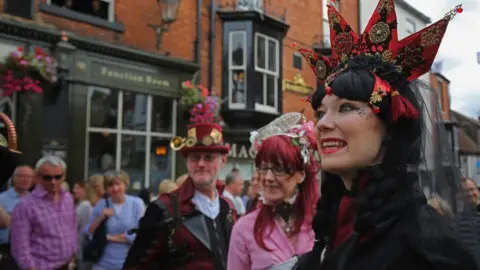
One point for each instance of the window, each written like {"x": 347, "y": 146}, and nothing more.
{"x": 250, "y": 5}
{"x": 237, "y": 69}
{"x": 131, "y": 132}
{"x": 267, "y": 56}
{"x": 103, "y": 9}
{"x": 245, "y": 166}
{"x": 297, "y": 61}
{"x": 411, "y": 28}
{"x": 326, "y": 26}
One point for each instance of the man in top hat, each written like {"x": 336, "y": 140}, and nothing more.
{"x": 190, "y": 227}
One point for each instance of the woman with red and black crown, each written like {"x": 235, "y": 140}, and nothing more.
{"x": 190, "y": 227}
{"x": 371, "y": 122}
{"x": 273, "y": 235}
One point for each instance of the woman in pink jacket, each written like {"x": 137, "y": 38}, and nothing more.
{"x": 272, "y": 236}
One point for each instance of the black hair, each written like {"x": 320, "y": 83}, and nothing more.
{"x": 390, "y": 189}
{"x": 144, "y": 194}
{"x": 230, "y": 178}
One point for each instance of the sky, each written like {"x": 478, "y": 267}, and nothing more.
{"x": 458, "y": 50}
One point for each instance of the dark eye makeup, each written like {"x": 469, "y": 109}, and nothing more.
{"x": 344, "y": 107}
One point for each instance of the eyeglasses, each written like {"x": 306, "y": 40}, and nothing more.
{"x": 205, "y": 157}
{"x": 51, "y": 177}
{"x": 276, "y": 170}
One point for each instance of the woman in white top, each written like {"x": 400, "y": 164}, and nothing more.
{"x": 83, "y": 210}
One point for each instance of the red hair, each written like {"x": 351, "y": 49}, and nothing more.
{"x": 280, "y": 151}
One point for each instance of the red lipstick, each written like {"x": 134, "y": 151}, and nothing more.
{"x": 329, "y": 146}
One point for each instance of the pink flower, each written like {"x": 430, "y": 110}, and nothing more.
{"x": 15, "y": 54}
{"x": 187, "y": 84}
{"x": 203, "y": 90}
{"x": 309, "y": 126}
{"x": 24, "y": 62}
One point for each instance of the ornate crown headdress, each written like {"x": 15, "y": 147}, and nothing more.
{"x": 412, "y": 56}
{"x": 293, "y": 125}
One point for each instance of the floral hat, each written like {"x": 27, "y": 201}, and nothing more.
{"x": 204, "y": 133}
{"x": 293, "y": 125}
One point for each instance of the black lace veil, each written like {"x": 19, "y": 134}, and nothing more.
{"x": 439, "y": 171}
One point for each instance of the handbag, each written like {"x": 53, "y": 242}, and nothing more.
{"x": 94, "y": 247}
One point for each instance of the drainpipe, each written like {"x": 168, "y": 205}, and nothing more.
{"x": 359, "y": 3}
{"x": 198, "y": 40}
{"x": 211, "y": 40}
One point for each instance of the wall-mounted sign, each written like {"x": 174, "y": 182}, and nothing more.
{"x": 242, "y": 150}
{"x": 122, "y": 75}
{"x": 297, "y": 85}
{"x": 56, "y": 148}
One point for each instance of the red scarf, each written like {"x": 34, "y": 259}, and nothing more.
{"x": 346, "y": 213}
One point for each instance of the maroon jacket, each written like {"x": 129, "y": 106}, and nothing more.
{"x": 150, "y": 246}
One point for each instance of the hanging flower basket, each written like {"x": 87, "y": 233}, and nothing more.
{"x": 198, "y": 104}
{"x": 27, "y": 72}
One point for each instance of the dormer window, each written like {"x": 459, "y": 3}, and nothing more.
{"x": 251, "y": 63}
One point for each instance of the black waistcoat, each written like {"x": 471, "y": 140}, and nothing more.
{"x": 214, "y": 234}
{"x": 218, "y": 241}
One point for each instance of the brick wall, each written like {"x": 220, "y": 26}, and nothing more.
{"x": 303, "y": 16}
{"x": 305, "y": 19}
{"x": 442, "y": 88}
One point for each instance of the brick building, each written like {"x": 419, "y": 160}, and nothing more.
{"x": 117, "y": 106}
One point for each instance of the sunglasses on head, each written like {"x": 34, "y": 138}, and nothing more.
{"x": 51, "y": 177}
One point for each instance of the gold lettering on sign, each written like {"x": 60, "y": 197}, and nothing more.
{"x": 132, "y": 77}
{"x": 242, "y": 151}
{"x": 297, "y": 85}
{"x": 233, "y": 150}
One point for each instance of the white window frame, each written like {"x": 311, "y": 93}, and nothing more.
{"x": 232, "y": 68}
{"x": 265, "y": 72}
{"x": 408, "y": 24}
{"x": 111, "y": 9}
{"x": 118, "y": 131}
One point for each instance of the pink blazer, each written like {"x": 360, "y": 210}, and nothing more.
{"x": 245, "y": 254}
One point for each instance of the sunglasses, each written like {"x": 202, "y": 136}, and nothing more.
{"x": 51, "y": 177}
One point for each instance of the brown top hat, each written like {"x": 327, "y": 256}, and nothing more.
{"x": 201, "y": 137}
{"x": 9, "y": 156}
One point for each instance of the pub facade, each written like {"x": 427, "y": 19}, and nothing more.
{"x": 117, "y": 106}
{"x": 117, "y": 109}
